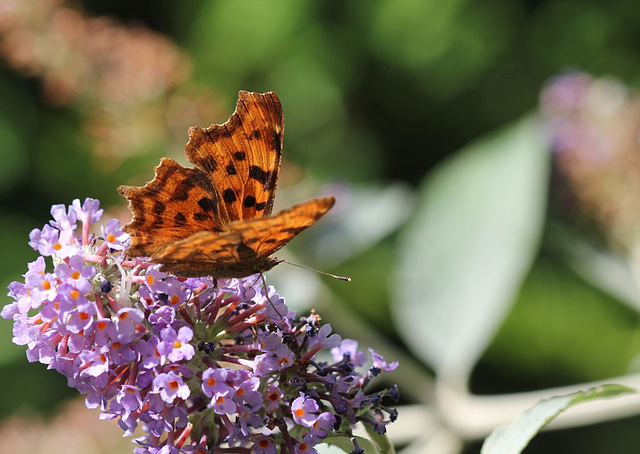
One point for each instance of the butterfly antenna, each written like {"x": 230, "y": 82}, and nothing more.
{"x": 342, "y": 278}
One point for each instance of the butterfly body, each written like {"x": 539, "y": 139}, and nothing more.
{"x": 215, "y": 219}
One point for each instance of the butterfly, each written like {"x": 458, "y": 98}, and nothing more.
{"x": 215, "y": 219}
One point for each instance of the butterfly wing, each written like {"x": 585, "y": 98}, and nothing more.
{"x": 242, "y": 156}
{"x": 246, "y": 247}
{"x": 177, "y": 203}
{"x": 214, "y": 220}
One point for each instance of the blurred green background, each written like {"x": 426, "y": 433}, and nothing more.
{"x": 379, "y": 98}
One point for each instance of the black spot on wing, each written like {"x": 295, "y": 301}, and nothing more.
{"x": 258, "y": 174}
{"x": 158, "y": 210}
{"x": 200, "y": 216}
{"x": 231, "y": 169}
{"x": 277, "y": 144}
{"x": 207, "y": 204}
{"x": 229, "y": 196}
{"x": 249, "y": 201}
{"x": 159, "y": 207}
{"x": 294, "y": 230}
{"x": 239, "y": 155}
{"x": 182, "y": 191}
{"x": 180, "y": 219}
{"x": 246, "y": 253}
{"x": 260, "y": 206}
{"x": 208, "y": 163}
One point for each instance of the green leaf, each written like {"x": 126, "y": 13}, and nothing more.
{"x": 363, "y": 228}
{"x": 382, "y": 442}
{"x": 606, "y": 269}
{"x": 471, "y": 242}
{"x": 513, "y": 438}
{"x": 346, "y": 444}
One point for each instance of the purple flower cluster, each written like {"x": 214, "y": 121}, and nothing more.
{"x": 581, "y": 109}
{"x": 201, "y": 366}
{"x": 593, "y": 125}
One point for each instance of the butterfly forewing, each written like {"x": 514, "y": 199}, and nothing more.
{"x": 242, "y": 155}
{"x": 177, "y": 203}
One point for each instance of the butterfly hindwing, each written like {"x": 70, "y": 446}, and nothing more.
{"x": 242, "y": 155}
{"x": 246, "y": 247}
{"x": 276, "y": 231}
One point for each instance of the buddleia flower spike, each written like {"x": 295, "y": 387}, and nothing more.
{"x": 197, "y": 367}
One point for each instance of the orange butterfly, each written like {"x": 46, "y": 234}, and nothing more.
{"x": 215, "y": 219}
